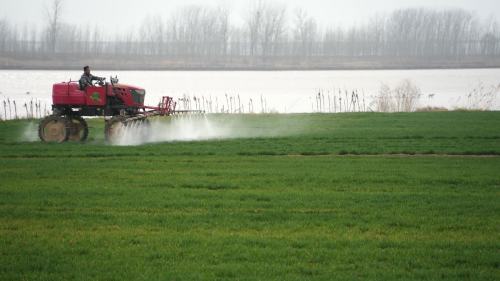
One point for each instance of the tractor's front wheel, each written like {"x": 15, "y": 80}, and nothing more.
{"x": 54, "y": 129}
{"x": 79, "y": 129}
{"x": 114, "y": 129}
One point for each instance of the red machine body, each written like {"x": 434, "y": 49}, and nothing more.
{"x": 122, "y": 105}
{"x": 69, "y": 94}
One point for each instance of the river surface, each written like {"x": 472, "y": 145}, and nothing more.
{"x": 270, "y": 91}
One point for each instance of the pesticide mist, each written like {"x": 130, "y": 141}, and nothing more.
{"x": 30, "y": 132}
{"x": 202, "y": 127}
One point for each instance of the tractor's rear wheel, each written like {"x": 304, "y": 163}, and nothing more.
{"x": 54, "y": 129}
{"x": 79, "y": 129}
{"x": 114, "y": 129}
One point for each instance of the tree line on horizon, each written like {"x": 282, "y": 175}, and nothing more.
{"x": 269, "y": 31}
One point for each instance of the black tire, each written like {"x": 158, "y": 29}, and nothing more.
{"x": 113, "y": 128}
{"x": 79, "y": 130}
{"x": 54, "y": 129}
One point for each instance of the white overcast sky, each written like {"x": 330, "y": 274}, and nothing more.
{"x": 118, "y": 15}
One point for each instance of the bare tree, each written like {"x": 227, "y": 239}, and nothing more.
{"x": 273, "y": 28}
{"x": 222, "y": 15}
{"x": 152, "y": 32}
{"x": 254, "y": 25}
{"x": 4, "y": 35}
{"x": 54, "y": 13}
{"x": 305, "y": 29}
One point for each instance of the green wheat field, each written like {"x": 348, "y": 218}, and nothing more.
{"x": 361, "y": 196}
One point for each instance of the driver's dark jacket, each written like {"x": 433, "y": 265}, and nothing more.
{"x": 86, "y": 80}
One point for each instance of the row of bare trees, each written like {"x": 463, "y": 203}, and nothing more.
{"x": 269, "y": 30}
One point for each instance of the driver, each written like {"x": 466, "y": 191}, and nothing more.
{"x": 87, "y": 78}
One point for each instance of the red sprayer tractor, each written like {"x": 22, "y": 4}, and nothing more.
{"x": 121, "y": 105}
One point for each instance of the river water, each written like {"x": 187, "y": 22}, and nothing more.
{"x": 271, "y": 91}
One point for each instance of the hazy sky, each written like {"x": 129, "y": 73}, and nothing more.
{"x": 117, "y": 15}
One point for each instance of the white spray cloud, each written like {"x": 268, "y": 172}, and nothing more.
{"x": 197, "y": 128}
{"x": 30, "y": 132}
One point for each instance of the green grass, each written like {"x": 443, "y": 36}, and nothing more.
{"x": 316, "y": 134}
{"x": 287, "y": 207}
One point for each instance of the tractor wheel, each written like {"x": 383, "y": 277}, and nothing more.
{"x": 79, "y": 130}
{"x": 114, "y": 128}
{"x": 54, "y": 129}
